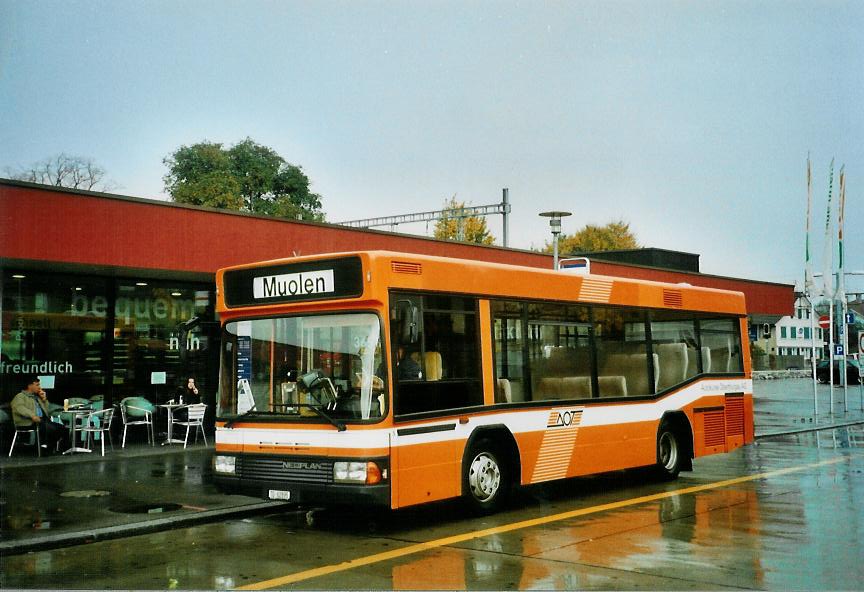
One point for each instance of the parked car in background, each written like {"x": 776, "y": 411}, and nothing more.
{"x": 852, "y": 369}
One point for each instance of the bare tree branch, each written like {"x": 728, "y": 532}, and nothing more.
{"x": 63, "y": 170}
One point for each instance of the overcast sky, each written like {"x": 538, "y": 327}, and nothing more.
{"x": 690, "y": 120}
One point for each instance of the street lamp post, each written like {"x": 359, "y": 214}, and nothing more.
{"x": 555, "y": 226}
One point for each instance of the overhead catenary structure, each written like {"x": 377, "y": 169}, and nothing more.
{"x": 502, "y": 208}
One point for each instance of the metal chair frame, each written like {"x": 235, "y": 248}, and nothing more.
{"x": 194, "y": 418}
{"x": 32, "y": 429}
{"x": 105, "y": 417}
{"x": 147, "y": 421}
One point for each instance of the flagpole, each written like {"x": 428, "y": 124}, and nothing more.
{"x": 828, "y": 288}
{"x": 831, "y": 348}
{"x": 809, "y": 285}
{"x": 813, "y": 355}
{"x": 841, "y": 290}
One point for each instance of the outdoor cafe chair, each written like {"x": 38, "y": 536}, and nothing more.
{"x": 99, "y": 422}
{"x": 134, "y": 416}
{"x": 34, "y": 429}
{"x": 194, "y": 418}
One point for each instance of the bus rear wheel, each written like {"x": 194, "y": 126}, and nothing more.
{"x": 486, "y": 480}
{"x": 669, "y": 452}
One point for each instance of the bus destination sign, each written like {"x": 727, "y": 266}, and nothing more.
{"x": 294, "y": 282}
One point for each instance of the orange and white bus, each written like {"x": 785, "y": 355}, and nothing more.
{"x": 394, "y": 379}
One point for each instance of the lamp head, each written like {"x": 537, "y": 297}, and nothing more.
{"x": 555, "y": 219}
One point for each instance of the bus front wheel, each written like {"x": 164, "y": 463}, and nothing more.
{"x": 669, "y": 452}
{"x": 486, "y": 480}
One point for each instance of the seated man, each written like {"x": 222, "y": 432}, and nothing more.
{"x": 407, "y": 367}
{"x": 30, "y": 407}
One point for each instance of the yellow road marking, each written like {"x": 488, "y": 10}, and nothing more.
{"x": 468, "y": 536}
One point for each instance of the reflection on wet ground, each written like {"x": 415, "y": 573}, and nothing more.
{"x": 800, "y": 530}
{"x": 62, "y": 498}
{"x": 796, "y": 530}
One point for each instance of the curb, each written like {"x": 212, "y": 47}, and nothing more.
{"x": 67, "y": 539}
{"x": 832, "y": 426}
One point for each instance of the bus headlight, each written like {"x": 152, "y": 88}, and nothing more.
{"x": 356, "y": 472}
{"x": 225, "y": 464}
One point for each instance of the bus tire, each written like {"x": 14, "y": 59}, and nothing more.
{"x": 486, "y": 481}
{"x": 670, "y": 451}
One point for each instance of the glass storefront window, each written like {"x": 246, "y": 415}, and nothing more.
{"x": 53, "y": 325}
{"x": 152, "y": 348}
{"x": 106, "y": 337}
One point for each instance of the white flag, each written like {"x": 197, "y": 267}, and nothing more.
{"x": 828, "y": 251}
{"x": 809, "y": 286}
{"x": 841, "y": 280}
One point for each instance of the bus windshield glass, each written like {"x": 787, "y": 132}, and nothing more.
{"x": 312, "y": 368}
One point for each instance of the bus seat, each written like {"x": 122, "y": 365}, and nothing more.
{"x": 612, "y": 386}
{"x": 633, "y": 368}
{"x": 548, "y": 388}
{"x": 672, "y": 368}
{"x": 692, "y": 361}
{"x": 636, "y": 374}
{"x": 656, "y": 371}
{"x": 614, "y": 364}
{"x": 560, "y": 362}
{"x": 576, "y": 387}
{"x": 503, "y": 394}
{"x": 434, "y": 369}
{"x": 720, "y": 359}
{"x": 516, "y": 393}
{"x": 706, "y": 360}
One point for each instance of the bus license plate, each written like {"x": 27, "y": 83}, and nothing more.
{"x": 279, "y": 494}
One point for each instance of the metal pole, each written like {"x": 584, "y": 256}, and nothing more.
{"x": 555, "y": 251}
{"x": 844, "y": 340}
{"x": 506, "y": 214}
{"x": 831, "y": 349}
{"x": 813, "y": 355}
{"x": 860, "y": 382}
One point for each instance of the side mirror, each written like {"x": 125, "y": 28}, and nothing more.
{"x": 409, "y": 321}
{"x": 311, "y": 378}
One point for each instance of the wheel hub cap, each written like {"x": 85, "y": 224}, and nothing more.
{"x": 484, "y": 477}
{"x": 668, "y": 451}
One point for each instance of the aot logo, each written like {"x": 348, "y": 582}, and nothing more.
{"x": 564, "y": 418}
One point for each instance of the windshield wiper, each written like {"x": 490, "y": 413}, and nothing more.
{"x": 320, "y": 411}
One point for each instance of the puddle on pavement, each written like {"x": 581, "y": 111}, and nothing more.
{"x": 153, "y": 508}
{"x": 85, "y": 493}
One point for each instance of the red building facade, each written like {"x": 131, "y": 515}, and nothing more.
{"x": 99, "y": 285}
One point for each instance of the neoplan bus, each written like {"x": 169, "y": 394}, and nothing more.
{"x": 393, "y": 379}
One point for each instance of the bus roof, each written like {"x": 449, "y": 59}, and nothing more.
{"x": 407, "y": 271}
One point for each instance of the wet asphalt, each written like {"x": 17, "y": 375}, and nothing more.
{"x": 794, "y": 521}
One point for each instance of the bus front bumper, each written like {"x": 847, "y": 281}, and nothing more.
{"x": 300, "y": 480}
{"x": 307, "y": 494}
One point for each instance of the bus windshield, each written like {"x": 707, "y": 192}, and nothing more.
{"x": 316, "y": 368}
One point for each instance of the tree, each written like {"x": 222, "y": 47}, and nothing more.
{"x": 247, "y": 177}
{"x": 64, "y": 170}
{"x": 455, "y": 225}
{"x": 613, "y": 236}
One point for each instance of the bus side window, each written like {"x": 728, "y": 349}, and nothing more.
{"x": 508, "y": 345}
{"x": 622, "y": 354}
{"x": 722, "y": 338}
{"x": 446, "y": 354}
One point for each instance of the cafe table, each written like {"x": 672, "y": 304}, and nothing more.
{"x": 74, "y": 414}
{"x": 170, "y": 407}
